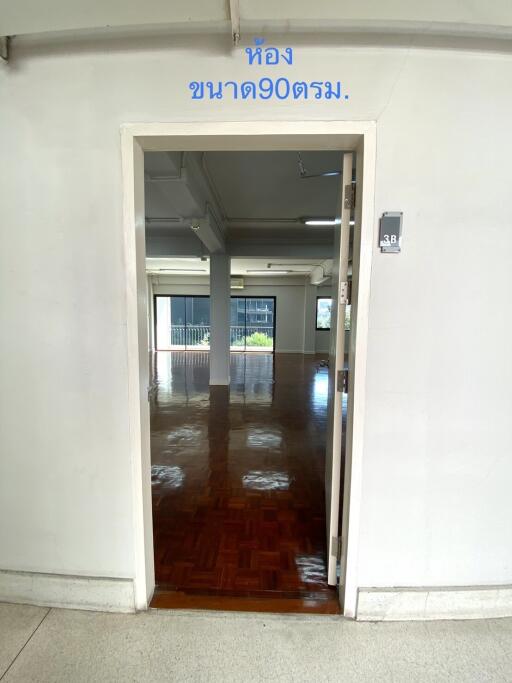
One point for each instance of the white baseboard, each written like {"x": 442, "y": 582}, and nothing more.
{"x": 404, "y": 604}
{"x": 75, "y": 592}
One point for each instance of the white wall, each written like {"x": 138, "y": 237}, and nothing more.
{"x": 289, "y": 293}
{"x": 437, "y": 468}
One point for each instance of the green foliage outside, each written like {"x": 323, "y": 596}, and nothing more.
{"x": 258, "y": 339}
{"x": 254, "y": 339}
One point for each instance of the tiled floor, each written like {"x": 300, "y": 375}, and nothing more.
{"x": 238, "y": 482}
{"x": 38, "y": 645}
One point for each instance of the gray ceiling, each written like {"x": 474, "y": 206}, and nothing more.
{"x": 248, "y": 189}
{"x": 269, "y": 185}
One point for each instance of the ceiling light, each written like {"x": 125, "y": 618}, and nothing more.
{"x": 270, "y": 272}
{"x": 322, "y": 221}
{"x": 182, "y": 270}
{"x": 174, "y": 258}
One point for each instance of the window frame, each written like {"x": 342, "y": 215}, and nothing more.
{"x": 322, "y": 329}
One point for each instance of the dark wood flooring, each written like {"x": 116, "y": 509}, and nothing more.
{"x": 238, "y": 484}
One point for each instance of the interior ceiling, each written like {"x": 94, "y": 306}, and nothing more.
{"x": 252, "y": 190}
{"x": 262, "y": 185}
{"x": 239, "y": 266}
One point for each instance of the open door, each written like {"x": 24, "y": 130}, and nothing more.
{"x": 336, "y": 367}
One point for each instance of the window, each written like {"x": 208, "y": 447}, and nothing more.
{"x": 323, "y": 313}
{"x": 252, "y": 323}
{"x": 182, "y": 322}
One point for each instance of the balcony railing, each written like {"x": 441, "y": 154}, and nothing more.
{"x": 253, "y": 338}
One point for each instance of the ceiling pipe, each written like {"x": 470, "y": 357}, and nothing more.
{"x": 234, "y": 15}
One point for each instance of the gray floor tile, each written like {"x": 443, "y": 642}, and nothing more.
{"x": 75, "y": 646}
{"x": 17, "y": 623}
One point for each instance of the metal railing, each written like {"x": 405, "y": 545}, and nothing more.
{"x": 190, "y": 336}
{"x": 241, "y": 337}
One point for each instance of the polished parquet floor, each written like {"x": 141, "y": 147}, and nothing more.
{"x": 238, "y": 483}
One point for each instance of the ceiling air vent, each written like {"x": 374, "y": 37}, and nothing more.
{"x": 237, "y": 283}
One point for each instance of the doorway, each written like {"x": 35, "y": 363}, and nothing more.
{"x": 335, "y": 135}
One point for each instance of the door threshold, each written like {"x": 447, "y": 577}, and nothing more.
{"x": 322, "y": 603}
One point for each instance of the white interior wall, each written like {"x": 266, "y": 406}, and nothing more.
{"x": 436, "y": 470}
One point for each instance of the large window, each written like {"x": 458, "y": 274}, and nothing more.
{"x": 183, "y": 323}
{"x": 252, "y": 323}
{"x": 323, "y": 313}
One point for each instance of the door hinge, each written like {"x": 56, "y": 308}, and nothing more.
{"x": 350, "y": 196}
{"x": 336, "y": 547}
{"x": 343, "y": 294}
{"x": 342, "y": 381}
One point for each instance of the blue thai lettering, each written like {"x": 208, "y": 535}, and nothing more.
{"x": 248, "y": 89}
{"x": 197, "y": 88}
{"x": 288, "y": 56}
{"x": 217, "y": 95}
{"x": 267, "y": 88}
{"x": 330, "y": 92}
{"x": 317, "y": 85}
{"x": 300, "y": 89}
{"x": 235, "y": 88}
{"x": 255, "y": 53}
{"x": 271, "y": 55}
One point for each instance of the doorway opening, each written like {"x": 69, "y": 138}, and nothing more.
{"x": 242, "y": 464}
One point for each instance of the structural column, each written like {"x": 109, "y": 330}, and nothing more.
{"x": 309, "y": 318}
{"x": 219, "y": 318}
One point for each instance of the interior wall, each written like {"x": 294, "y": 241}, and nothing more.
{"x": 436, "y": 470}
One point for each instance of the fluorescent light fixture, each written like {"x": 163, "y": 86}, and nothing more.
{"x": 322, "y": 221}
{"x": 267, "y": 271}
{"x": 174, "y": 258}
{"x": 182, "y": 270}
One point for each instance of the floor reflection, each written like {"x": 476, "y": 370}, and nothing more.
{"x": 238, "y": 475}
{"x": 166, "y": 477}
{"x": 266, "y": 480}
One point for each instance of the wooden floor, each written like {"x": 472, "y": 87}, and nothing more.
{"x": 238, "y": 484}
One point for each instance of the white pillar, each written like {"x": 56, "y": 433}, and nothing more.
{"x": 219, "y": 318}
{"x": 309, "y": 318}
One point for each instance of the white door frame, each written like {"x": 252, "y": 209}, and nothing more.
{"x": 359, "y": 136}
